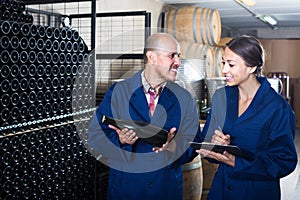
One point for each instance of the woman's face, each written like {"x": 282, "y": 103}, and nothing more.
{"x": 235, "y": 69}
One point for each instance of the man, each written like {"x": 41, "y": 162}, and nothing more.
{"x": 138, "y": 169}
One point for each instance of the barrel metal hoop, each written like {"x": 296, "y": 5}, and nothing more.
{"x": 201, "y": 16}
{"x": 188, "y": 51}
{"x": 167, "y": 22}
{"x": 194, "y": 24}
{"x": 211, "y": 27}
{"x": 191, "y": 166}
{"x": 207, "y": 29}
{"x": 217, "y": 57}
{"x": 196, "y": 51}
{"x": 174, "y": 22}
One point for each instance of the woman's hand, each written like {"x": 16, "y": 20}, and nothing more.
{"x": 125, "y": 135}
{"x": 226, "y": 157}
{"x": 220, "y": 138}
{"x": 169, "y": 145}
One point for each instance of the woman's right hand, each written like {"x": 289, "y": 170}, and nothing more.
{"x": 220, "y": 138}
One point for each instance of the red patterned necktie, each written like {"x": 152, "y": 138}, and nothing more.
{"x": 152, "y": 98}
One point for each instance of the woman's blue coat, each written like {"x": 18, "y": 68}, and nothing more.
{"x": 136, "y": 172}
{"x": 266, "y": 130}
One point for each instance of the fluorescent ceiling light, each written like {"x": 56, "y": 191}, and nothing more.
{"x": 246, "y": 2}
{"x": 264, "y": 18}
{"x": 268, "y": 19}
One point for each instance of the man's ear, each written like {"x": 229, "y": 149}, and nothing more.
{"x": 151, "y": 57}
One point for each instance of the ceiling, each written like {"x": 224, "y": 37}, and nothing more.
{"x": 238, "y": 19}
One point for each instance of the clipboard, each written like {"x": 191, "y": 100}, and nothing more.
{"x": 218, "y": 148}
{"x": 146, "y": 132}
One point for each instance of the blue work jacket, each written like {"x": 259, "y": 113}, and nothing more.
{"x": 266, "y": 131}
{"x": 136, "y": 172}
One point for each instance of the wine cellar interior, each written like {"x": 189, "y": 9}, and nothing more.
{"x": 58, "y": 58}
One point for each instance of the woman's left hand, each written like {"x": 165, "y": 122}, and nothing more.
{"x": 226, "y": 157}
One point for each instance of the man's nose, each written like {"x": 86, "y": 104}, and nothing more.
{"x": 177, "y": 60}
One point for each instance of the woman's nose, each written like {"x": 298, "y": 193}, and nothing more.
{"x": 224, "y": 68}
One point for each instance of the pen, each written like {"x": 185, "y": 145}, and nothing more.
{"x": 231, "y": 137}
{"x": 220, "y": 129}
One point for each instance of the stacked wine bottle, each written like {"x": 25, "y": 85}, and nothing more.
{"x": 39, "y": 68}
{"x": 45, "y": 77}
{"x": 13, "y": 10}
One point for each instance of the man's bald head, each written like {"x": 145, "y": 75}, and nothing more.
{"x": 160, "y": 41}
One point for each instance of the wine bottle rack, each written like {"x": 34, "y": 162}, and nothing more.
{"x": 46, "y": 101}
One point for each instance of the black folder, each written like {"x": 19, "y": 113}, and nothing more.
{"x": 146, "y": 132}
{"x": 218, "y": 148}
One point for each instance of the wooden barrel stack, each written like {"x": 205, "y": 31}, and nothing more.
{"x": 202, "y": 25}
{"x": 199, "y": 32}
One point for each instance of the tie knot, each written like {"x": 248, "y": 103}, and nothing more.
{"x": 151, "y": 91}
{"x": 155, "y": 92}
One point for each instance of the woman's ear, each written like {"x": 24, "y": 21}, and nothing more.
{"x": 253, "y": 69}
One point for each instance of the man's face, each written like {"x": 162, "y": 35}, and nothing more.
{"x": 167, "y": 62}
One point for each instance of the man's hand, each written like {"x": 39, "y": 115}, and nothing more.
{"x": 125, "y": 135}
{"x": 169, "y": 145}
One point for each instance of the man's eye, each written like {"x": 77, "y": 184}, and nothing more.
{"x": 231, "y": 65}
{"x": 174, "y": 54}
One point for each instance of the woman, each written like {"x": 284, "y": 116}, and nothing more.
{"x": 248, "y": 113}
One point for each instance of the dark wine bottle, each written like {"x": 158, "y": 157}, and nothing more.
{"x": 14, "y": 16}
{"x": 15, "y": 5}
{"x": 48, "y": 45}
{"x": 32, "y": 43}
{"x": 4, "y": 72}
{"x": 49, "y": 32}
{"x": 21, "y": 6}
{"x": 5, "y": 26}
{"x": 56, "y": 33}
{"x": 4, "y": 42}
{"x": 23, "y": 57}
{"x": 24, "y": 43}
{"x": 14, "y": 56}
{"x": 14, "y": 42}
{"x": 15, "y": 28}
{"x": 25, "y": 29}
{"x": 40, "y": 44}
{"x": 28, "y": 18}
{"x": 41, "y": 31}
{"x": 34, "y": 30}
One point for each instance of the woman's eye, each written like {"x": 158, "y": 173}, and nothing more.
{"x": 230, "y": 65}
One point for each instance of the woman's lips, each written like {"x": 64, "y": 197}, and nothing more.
{"x": 229, "y": 78}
